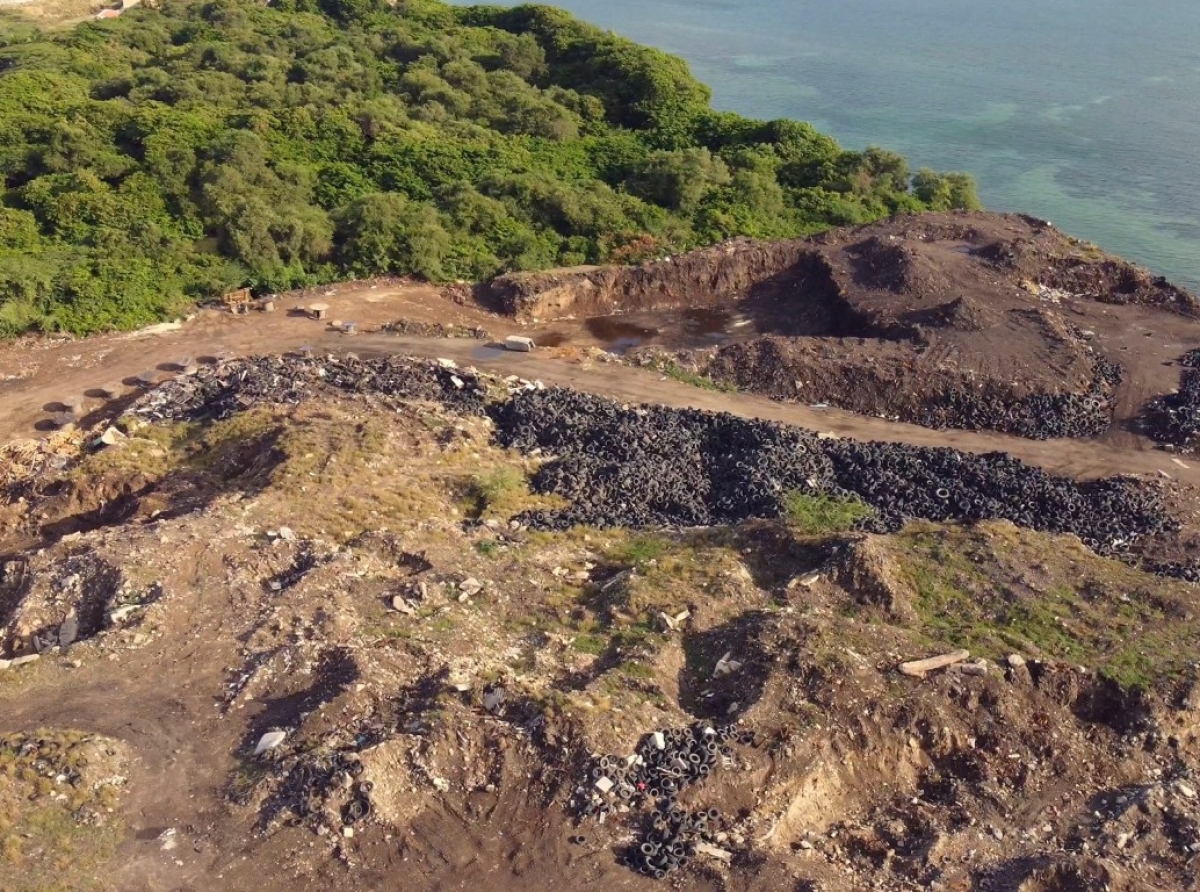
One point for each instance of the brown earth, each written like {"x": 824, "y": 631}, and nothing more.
{"x": 903, "y": 319}
{"x": 232, "y": 597}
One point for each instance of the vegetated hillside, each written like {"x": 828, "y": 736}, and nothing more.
{"x": 342, "y": 554}
{"x": 171, "y": 154}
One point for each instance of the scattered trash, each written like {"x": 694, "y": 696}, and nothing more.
{"x": 400, "y": 605}
{"x": 665, "y": 762}
{"x": 111, "y": 437}
{"x": 726, "y": 665}
{"x": 493, "y": 698}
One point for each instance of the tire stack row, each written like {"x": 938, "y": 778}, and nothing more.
{"x": 1038, "y": 416}
{"x": 1174, "y": 419}
{"x": 666, "y": 467}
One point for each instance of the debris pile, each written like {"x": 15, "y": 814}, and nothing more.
{"x": 928, "y": 396}
{"x": 220, "y": 391}
{"x": 23, "y": 462}
{"x": 666, "y": 762}
{"x": 1174, "y": 419}
{"x": 436, "y": 330}
{"x": 655, "y": 466}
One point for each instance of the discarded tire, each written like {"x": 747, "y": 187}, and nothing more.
{"x": 664, "y": 764}
{"x": 1174, "y": 419}
{"x": 662, "y": 467}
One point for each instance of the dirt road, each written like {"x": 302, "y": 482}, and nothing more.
{"x": 35, "y": 378}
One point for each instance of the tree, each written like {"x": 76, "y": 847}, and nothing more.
{"x": 385, "y": 232}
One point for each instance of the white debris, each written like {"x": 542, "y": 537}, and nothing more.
{"x": 269, "y": 741}
{"x": 518, "y": 343}
{"x": 604, "y": 784}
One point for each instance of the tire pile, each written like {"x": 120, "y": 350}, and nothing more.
{"x": 656, "y": 466}
{"x": 666, "y": 762}
{"x": 1038, "y": 416}
{"x": 1174, "y": 419}
{"x": 220, "y": 391}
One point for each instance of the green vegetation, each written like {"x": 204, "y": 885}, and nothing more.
{"x": 995, "y": 589}
{"x": 673, "y": 370}
{"x": 57, "y": 795}
{"x": 590, "y": 644}
{"x": 822, "y": 515}
{"x": 639, "y": 550}
{"x": 166, "y": 156}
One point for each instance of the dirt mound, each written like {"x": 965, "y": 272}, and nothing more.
{"x": 971, "y": 320}
{"x": 962, "y": 314}
{"x": 884, "y": 263}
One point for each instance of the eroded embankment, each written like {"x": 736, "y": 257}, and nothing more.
{"x": 971, "y": 321}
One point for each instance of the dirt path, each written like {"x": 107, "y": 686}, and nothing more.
{"x": 36, "y": 377}
{"x": 1078, "y": 458}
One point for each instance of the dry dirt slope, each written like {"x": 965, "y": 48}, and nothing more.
{"x": 344, "y": 570}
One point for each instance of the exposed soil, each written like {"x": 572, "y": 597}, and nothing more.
{"x": 974, "y": 321}
{"x": 446, "y": 680}
{"x": 340, "y": 550}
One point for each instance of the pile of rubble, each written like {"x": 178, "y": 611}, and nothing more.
{"x": 436, "y": 330}
{"x": 23, "y": 462}
{"x": 220, "y": 391}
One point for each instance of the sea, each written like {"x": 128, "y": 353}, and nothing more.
{"x": 1085, "y": 113}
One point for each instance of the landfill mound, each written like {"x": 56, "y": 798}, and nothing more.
{"x": 380, "y": 623}
{"x": 969, "y": 320}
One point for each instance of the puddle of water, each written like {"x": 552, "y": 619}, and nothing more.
{"x": 618, "y": 334}
{"x": 704, "y": 321}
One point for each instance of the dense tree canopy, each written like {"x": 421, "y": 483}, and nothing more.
{"x": 168, "y": 155}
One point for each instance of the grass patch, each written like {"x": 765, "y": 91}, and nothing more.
{"x": 810, "y": 515}
{"x": 639, "y": 550}
{"x": 589, "y": 644}
{"x": 995, "y": 590}
{"x": 673, "y": 370}
{"x": 57, "y": 831}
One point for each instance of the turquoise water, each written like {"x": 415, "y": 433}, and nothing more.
{"x": 1083, "y": 112}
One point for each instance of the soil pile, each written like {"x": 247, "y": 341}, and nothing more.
{"x": 971, "y": 320}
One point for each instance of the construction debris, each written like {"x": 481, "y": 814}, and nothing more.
{"x": 920, "y": 668}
